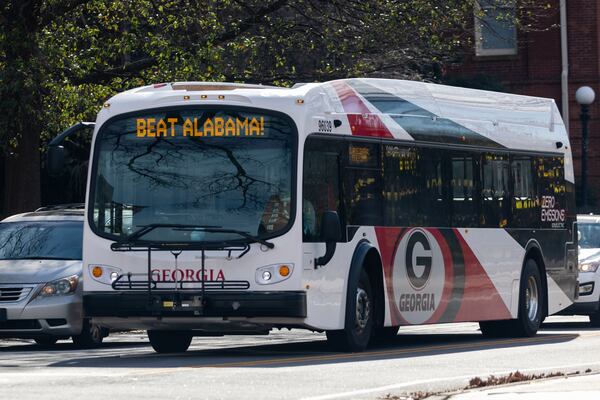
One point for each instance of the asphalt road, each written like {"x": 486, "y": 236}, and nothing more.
{"x": 290, "y": 365}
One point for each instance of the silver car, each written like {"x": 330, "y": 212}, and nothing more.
{"x": 40, "y": 273}
{"x": 588, "y": 302}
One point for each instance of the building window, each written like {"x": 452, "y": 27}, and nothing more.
{"x": 495, "y": 29}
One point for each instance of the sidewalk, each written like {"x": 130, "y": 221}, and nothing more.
{"x": 574, "y": 387}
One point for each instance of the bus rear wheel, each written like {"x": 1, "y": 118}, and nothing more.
{"x": 531, "y": 308}
{"x": 170, "y": 341}
{"x": 359, "y": 318}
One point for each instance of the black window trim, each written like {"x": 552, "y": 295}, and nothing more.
{"x": 283, "y": 116}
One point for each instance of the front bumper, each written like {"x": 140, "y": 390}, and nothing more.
{"x": 34, "y": 317}
{"x": 589, "y": 300}
{"x": 194, "y": 304}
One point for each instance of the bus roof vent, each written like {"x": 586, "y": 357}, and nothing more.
{"x": 204, "y": 86}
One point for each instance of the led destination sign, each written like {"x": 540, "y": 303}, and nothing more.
{"x": 226, "y": 126}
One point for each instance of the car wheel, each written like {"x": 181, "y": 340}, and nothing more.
{"x": 170, "y": 341}
{"x": 595, "y": 320}
{"x": 531, "y": 308}
{"x": 91, "y": 335}
{"x": 46, "y": 341}
{"x": 359, "y": 321}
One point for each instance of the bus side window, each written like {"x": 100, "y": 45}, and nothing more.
{"x": 524, "y": 207}
{"x": 432, "y": 189}
{"x": 363, "y": 180}
{"x": 462, "y": 189}
{"x": 494, "y": 191}
{"x": 400, "y": 180}
{"x": 321, "y": 186}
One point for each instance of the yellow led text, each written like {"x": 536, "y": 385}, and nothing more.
{"x": 218, "y": 126}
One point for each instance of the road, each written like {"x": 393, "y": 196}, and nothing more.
{"x": 291, "y": 365}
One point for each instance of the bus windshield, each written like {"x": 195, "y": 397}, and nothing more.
{"x": 207, "y": 168}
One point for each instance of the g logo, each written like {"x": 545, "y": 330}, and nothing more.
{"x": 418, "y": 254}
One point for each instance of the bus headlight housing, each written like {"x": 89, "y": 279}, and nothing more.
{"x": 60, "y": 287}
{"x": 274, "y": 273}
{"x": 104, "y": 273}
{"x": 589, "y": 267}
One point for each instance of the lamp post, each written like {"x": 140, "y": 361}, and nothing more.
{"x": 585, "y": 96}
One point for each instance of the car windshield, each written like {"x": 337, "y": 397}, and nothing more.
{"x": 49, "y": 240}
{"x": 589, "y": 235}
{"x": 189, "y": 171}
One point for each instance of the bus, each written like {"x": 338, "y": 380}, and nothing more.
{"x": 350, "y": 207}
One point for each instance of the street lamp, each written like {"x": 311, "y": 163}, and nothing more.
{"x": 585, "y": 96}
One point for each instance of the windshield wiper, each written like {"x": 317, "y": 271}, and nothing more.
{"x": 201, "y": 228}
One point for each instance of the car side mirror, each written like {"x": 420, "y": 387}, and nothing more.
{"x": 57, "y": 156}
{"x": 331, "y": 233}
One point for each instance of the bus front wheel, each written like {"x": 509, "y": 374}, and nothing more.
{"x": 170, "y": 341}
{"x": 531, "y": 308}
{"x": 359, "y": 318}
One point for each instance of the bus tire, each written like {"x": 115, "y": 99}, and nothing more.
{"x": 170, "y": 341}
{"x": 359, "y": 318}
{"x": 531, "y": 307}
{"x": 384, "y": 334}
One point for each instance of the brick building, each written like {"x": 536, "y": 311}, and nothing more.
{"x": 539, "y": 63}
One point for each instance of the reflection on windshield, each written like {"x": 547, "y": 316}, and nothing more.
{"x": 41, "y": 240}
{"x": 589, "y": 236}
{"x": 233, "y": 181}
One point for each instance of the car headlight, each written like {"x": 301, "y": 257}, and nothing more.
{"x": 589, "y": 267}
{"x": 60, "y": 287}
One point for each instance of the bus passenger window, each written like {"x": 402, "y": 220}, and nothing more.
{"x": 494, "y": 191}
{"x": 464, "y": 206}
{"x": 524, "y": 207}
{"x": 363, "y": 180}
{"x": 400, "y": 180}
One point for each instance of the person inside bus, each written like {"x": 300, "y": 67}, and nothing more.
{"x": 309, "y": 220}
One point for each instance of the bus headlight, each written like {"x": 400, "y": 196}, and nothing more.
{"x": 60, "y": 287}
{"x": 589, "y": 267}
{"x": 274, "y": 273}
{"x": 104, "y": 273}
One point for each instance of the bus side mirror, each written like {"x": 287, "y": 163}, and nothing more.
{"x": 56, "y": 159}
{"x": 331, "y": 233}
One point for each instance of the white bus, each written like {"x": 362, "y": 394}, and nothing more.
{"x": 351, "y": 207}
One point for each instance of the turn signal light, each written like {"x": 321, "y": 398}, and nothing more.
{"x": 97, "y": 272}
{"x": 284, "y": 270}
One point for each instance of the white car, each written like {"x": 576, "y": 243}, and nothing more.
{"x": 589, "y": 269}
{"x": 40, "y": 273}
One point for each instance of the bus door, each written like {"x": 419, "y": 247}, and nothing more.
{"x": 321, "y": 192}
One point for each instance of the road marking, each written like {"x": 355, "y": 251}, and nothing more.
{"x": 391, "y": 353}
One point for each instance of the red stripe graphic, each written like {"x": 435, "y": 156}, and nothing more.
{"x": 362, "y": 121}
{"x": 481, "y": 300}
{"x": 449, "y": 276}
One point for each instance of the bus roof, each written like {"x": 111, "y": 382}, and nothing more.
{"x": 385, "y": 108}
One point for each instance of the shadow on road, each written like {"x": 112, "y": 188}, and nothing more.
{"x": 26, "y": 346}
{"x": 307, "y": 352}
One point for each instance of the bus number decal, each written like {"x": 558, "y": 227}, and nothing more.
{"x": 325, "y": 125}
